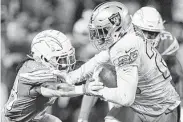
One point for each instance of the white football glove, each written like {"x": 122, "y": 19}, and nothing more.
{"x": 92, "y": 87}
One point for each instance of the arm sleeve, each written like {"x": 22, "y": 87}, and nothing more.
{"x": 172, "y": 48}
{"x": 86, "y": 70}
{"x": 126, "y": 59}
{"x": 37, "y": 77}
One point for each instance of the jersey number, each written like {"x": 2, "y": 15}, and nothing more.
{"x": 160, "y": 63}
{"x": 166, "y": 36}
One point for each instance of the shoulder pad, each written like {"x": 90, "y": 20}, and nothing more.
{"x": 166, "y": 36}
{"x": 168, "y": 42}
{"x": 33, "y": 72}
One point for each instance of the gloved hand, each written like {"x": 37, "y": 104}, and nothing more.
{"x": 91, "y": 88}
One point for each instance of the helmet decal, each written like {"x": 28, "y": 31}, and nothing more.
{"x": 108, "y": 23}
{"x": 115, "y": 19}
{"x": 53, "y": 49}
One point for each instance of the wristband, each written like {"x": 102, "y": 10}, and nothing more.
{"x": 79, "y": 89}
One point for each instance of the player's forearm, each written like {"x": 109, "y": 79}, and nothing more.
{"x": 47, "y": 92}
{"x": 76, "y": 91}
{"x": 86, "y": 70}
{"x": 117, "y": 96}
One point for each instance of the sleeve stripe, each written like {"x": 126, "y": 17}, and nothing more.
{"x": 172, "y": 48}
{"x": 36, "y": 78}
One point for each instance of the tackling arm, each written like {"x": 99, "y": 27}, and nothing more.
{"x": 61, "y": 90}
{"x": 86, "y": 70}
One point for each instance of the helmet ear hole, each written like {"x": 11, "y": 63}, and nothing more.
{"x": 45, "y": 60}
{"x": 118, "y": 29}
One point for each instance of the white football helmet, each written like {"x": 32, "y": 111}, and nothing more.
{"x": 108, "y": 23}
{"x": 149, "y": 20}
{"x": 53, "y": 49}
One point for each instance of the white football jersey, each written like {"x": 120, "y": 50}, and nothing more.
{"x": 154, "y": 93}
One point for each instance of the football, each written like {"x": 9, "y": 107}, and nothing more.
{"x": 108, "y": 75}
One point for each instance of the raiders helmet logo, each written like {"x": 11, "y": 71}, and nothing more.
{"x": 115, "y": 19}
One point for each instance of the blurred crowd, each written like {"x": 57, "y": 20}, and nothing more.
{"x": 21, "y": 20}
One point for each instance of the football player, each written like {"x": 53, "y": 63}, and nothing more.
{"x": 36, "y": 87}
{"x": 154, "y": 30}
{"x": 149, "y": 20}
{"x": 143, "y": 79}
{"x": 155, "y": 33}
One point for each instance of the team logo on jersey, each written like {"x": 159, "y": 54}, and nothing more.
{"x": 115, "y": 19}
{"x": 130, "y": 56}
